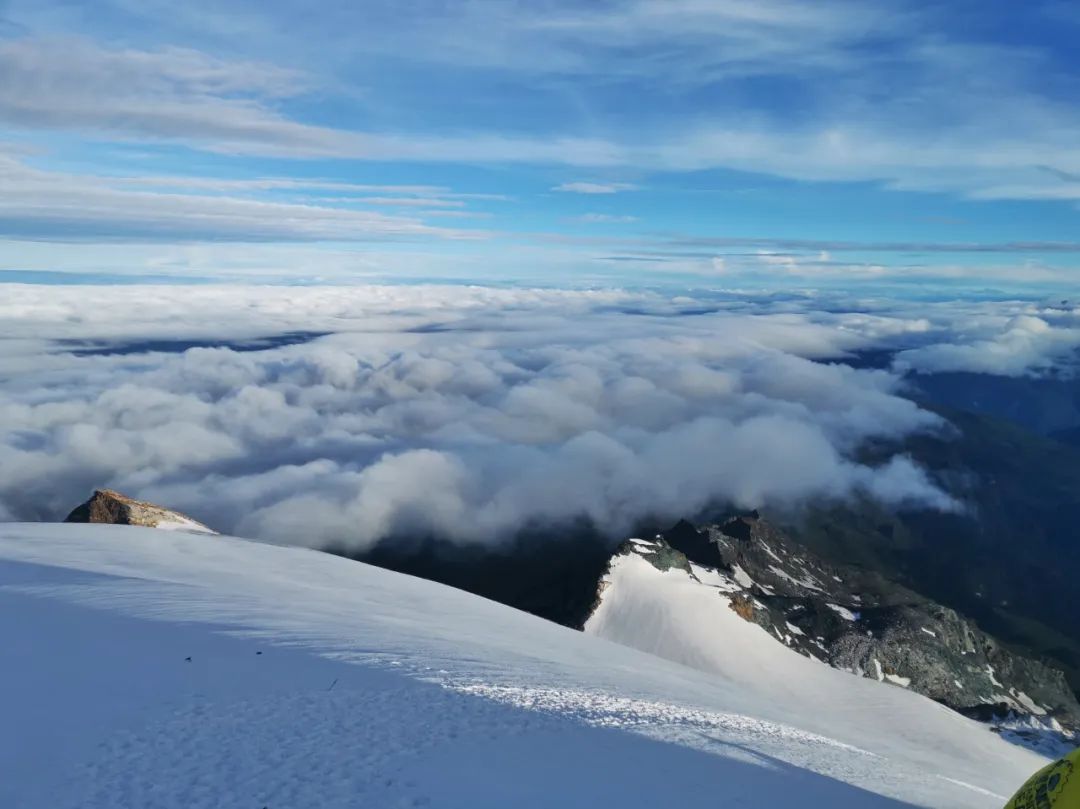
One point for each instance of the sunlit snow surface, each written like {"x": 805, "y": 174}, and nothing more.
{"x": 316, "y": 681}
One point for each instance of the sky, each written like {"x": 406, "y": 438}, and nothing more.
{"x": 735, "y": 144}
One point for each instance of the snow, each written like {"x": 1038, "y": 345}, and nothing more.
{"x": 843, "y": 612}
{"x": 806, "y": 582}
{"x": 670, "y": 615}
{"x": 1039, "y": 733}
{"x": 179, "y": 523}
{"x": 1028, "y": 703}
{"x": 929, "y": 632}
{"x": 714, "y": 578}
{"x": 770, "y": 551}
{"x": 896, "y": 679}
{"x": 169, "y": 669}
{"x": 742, "y": 578}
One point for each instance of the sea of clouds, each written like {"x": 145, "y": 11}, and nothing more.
{"x": 469, "y": 413}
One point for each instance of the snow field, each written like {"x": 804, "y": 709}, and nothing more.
{"x": 316, "y": 681}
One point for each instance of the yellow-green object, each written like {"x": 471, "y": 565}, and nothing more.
{"x": 1056, "y": 786}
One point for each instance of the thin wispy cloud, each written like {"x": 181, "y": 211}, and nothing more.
{"x": 594, "y": 187}
{"x": 605, "y": 219}
{"x": 169, "y": 93}
{"x": 55, "y": 206}
{"x": 896, "y": 109}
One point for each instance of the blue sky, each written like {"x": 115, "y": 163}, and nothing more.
{"x": 730, "y": 143}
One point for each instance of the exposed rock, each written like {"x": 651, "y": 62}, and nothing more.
{"x": 108, "y": 506}
{"x": 862, "y": 623}
{"x": 660, "y": 554}
{"x": 743, "y": 606}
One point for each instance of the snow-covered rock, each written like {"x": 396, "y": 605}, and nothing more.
{"x": 859, "y": 624}
{"x": 201, "y": 671}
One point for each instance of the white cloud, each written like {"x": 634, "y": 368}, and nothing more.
{"x": 172, "y": 93}
{"x": 186, "y": 96}
{"x": 467, "y": 411}
{"x": 1025, "y": 344}
{"x": 959, "y": 117}
{"x": 220, "y": 184}
{"x": 63, "y": 207}
{"x": 594, "y": 188}
{"x": 605, "y": 218}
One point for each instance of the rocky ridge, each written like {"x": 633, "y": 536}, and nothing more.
{"x": 112, "y": 507}
{"x": 867, "y": 625}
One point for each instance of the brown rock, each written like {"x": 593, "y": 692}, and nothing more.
{"x": 108, "y": 506}
{"x": 743, "y": 607}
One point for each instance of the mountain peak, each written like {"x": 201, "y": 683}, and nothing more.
{"x": 112, "y": 507}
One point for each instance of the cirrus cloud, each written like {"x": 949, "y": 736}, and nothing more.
{"x": 594, "y": 187}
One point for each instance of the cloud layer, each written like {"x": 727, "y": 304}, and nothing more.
{"x": 1032, "y": 343}
{"x": 467, "y": 413}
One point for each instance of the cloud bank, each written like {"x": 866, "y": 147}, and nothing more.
{"x": 465, "y": 413}
{"x": 1035, "y": 341}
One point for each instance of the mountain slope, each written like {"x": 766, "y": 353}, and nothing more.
{"x": 743, "y": 583}
{"x": 1008, "y": 561}
{"x": 136, "y": 679}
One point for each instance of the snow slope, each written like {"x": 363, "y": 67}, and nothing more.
{"x": 314, "y": 681}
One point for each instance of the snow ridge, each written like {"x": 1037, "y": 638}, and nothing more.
{"x": 214, "y": 671}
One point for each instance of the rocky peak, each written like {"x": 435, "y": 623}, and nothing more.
{"x": 864, "y": 624}
{"x": 657, "y": 552}
{"x": 108, "y": 506}
{"x": 741, "y": 526}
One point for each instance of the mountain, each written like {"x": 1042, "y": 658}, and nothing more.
{"x": 842, "y": 616}
{"x": 111, "y": 507}
{"x": 175, "y": 669}
{"x": 1008, "y": 560}
{"x": 551, "y": 573}
{"x": 1045, "y": 405}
